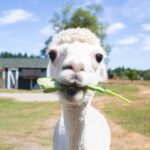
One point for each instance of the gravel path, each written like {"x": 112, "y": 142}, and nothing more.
{"x": 30, "y": 97}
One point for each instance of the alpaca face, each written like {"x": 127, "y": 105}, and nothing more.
{"x": 76, "y": 65}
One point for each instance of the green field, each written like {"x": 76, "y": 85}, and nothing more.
{"x": 26, "y": 121}
{"x": 134, "y": 116}
{"x": 23, "y": 123}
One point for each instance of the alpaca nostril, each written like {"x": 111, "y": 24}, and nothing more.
{"x": 67, "y": 67}
{"x": 81, "y": 69}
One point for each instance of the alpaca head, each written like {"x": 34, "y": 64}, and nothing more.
{"x": 76, "y": 59}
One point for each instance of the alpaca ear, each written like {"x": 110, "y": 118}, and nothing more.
{"x": 103, "y": 73}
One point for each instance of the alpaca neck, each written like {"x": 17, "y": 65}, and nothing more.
{"x": 75, "y": 126}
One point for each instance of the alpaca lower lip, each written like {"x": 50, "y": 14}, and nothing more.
{"x": 71, "y": 91}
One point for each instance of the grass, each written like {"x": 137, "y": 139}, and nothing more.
{"x": 120, "y": 89}
{"x": 25, "y": 120}
{"x": 134, "y": 116}
{"x": 35, "y": 121}
{"x": 4, "y": 145}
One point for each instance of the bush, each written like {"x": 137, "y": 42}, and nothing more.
{"x": 146, "y": 75}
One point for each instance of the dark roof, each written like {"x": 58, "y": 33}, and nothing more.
{"x": 23, "y": 62}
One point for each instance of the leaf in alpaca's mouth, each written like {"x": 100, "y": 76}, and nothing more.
{"x": 48, "y": 85}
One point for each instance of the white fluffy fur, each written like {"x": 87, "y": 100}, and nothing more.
{"x": 79, "y": 34}
{"x": 80, "y": 127}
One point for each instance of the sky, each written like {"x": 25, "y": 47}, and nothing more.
{"x": 24, "y": 27}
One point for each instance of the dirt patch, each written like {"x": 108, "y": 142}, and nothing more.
{"x": 124, "y": 140}
{"x": 24, "y": 144}
{"x": 31, "y": 97}
{"x": 144, "y": 91}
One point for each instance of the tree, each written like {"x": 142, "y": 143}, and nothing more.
{"x": 132, "y": 74}
{"x": 126, "y": 73}
{"x": 111, "y": 74}
{"x": 146, "y": 75}
{"x": 86, "y": 17}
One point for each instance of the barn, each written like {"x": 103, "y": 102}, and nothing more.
{"x": 22, "y": 73}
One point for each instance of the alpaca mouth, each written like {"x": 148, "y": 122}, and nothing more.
{"x": 72, "y": 90}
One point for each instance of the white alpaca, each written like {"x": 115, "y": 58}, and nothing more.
{"x": 76, "y": 59}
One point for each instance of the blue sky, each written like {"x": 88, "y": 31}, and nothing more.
{"x": 24, "y": 27}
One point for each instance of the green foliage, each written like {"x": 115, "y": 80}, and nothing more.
{"x": 132, "y": 74}
{"x": 111, "y": 74}
{"x": 86, "y": 17}
{"x": 146, "y": 75}
{"x": 18, "y": 55}
{"x": 125, "y": 73}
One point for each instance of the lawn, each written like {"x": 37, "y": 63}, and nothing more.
{"x": 134, "y": 116}
{"x": 24, "y": 124}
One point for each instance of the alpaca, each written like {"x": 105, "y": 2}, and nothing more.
{"x": 76, "y": 59}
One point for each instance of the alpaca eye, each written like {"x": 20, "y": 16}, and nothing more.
{"x": 52, "y": 55}
{"x": 98, "y": 57}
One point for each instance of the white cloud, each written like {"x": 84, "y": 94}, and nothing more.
{"x": 116, "y": 27}
{"x": 16, "y": 15}
{"x": 146, "y": 27}
{"x": 128, "y": 41}
{"x": 47, "y": 30}
{"x": 146, "y": 44}
{"x": 136, "y": 9}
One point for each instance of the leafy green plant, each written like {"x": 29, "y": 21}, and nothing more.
{"x": 50, "y": 85}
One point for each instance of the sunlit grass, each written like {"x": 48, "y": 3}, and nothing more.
{"x": 22, "y": 119}
{"x": 35, "y": 121}
{"x": 133, "y": 117}
{"x": 120, "y": 89}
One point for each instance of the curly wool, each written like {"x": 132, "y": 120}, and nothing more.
{"x": 75, "y": 35}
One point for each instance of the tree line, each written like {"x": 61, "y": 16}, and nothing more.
{"x": 129, "y": 74}
{"x": 17, "y": 55}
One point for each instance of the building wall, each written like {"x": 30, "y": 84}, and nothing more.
{"x": 26, "y": 82}
{"x": 6, "y": 76}
{"x": 1, "y": 77}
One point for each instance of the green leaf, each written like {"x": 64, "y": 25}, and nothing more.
{"x": 48, "y": 85}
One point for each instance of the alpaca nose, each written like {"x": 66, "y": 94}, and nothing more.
{"x": 76, "y": 67}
